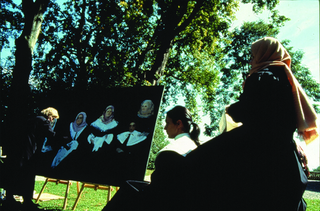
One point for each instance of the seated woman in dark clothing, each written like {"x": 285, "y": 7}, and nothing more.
{"x": 255, "y": 166}
{"x": 178, "y": 124}
{"x": 139, "y": 195}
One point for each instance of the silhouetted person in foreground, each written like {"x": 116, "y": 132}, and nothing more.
{"x": 142, "y": 195}
{"x": 22, "y": 164}
{"x": 256, "y": 166}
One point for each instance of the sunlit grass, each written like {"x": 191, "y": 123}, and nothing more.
{"x": 313, "y": 204}
{"x": 95, "y": 200}
{"x": 91, "y": 200}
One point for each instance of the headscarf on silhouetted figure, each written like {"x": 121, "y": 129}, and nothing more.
{"x": 260, "y": 155}
{"x": 269, "y": 52}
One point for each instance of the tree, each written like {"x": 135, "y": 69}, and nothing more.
{"x": 303, "y": 75}
{"x": 129, "y": 43}
{"x": 89, "y": 44}
{"x": 11, "y": 23}
{"x": 19, "y": 88}
{"x": 236, "y": 64}
{"x": 85, "y": 45}
{"x": 133, "y": 43}
{"x": 159, "y": 141}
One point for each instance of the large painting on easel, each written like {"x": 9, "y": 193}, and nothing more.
{"x": 108, "y": 137}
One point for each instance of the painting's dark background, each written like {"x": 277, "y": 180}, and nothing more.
{"x": 105, "y": 166}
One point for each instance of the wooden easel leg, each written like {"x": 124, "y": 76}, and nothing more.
{"x": 78, "y": 197}
{"x": 66, "y": 195}
{"x": 78, "y": 188}
{"x": 42, "y": 189}
{"x": 109, "y": 193}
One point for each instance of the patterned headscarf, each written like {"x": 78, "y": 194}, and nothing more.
{"x": 267, "y": 52}
{"x": 77, "y": 127}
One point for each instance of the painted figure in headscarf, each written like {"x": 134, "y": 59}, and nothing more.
{"x": 103, "y": 124}
{"x": 76, "y": 128}
{"x": 106, "y": 121}
{"x": 146, "y": 109}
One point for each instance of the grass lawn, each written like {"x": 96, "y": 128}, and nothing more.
{"x": 313, "y": 204}
{"x": 95, "y": 200}
{"x": 91, "y": 200}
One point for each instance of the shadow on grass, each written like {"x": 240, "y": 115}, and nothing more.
{"x": 313, "y": 185}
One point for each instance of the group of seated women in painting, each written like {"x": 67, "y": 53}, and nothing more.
{"x": 254, "y": 166}
{"x": 119, "y": 147}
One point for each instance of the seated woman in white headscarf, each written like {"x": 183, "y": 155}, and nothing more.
{"x": 76, "y": 128}
{"x": 146, "y": 109}
{"x": 103, "y": 124}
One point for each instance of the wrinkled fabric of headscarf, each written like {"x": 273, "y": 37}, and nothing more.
{"x": 110, "y": 118}
{"x": 268, "y": 51}
{"x": 77, "y": 127}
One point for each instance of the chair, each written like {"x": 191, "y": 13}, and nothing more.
{"x": 57, "y": 181}
{"x": 94, "y": 186}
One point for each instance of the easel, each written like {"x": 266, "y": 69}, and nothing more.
{"x": 57, "y": 181}
{"x": 79, "y": 191}
{"x": 95, "y": 187}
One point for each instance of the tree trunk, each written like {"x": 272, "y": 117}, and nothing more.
{"x": 82, "y": 74}
{"x": 20, "y": 90}
{"x": 164, "y": 36}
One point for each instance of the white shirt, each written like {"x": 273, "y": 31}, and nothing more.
{"x": 181, "y": 144}
{"x": 74, "y": 134}
{"x": 63, "y": 153}
{"x": 135, "y": 137}
{"x": 104, "y": 127}
{"x": 98, "y": 141}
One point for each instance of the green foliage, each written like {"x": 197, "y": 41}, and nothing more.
{"x": 159, "y": 141}
{"x": 303, "y": 75}
{"x": 317, "y": 169}
{"x": 236, "y": 62}
{"x": 111, "y": 43}
{"x": 186, "y": 46}
{"x": 11, "y": 22}
{"x": 6, "y": 79}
